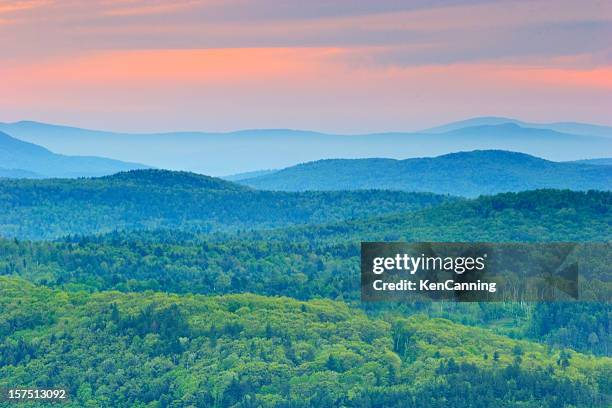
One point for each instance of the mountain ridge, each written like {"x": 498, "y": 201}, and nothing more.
{"x": 463, "y": 173}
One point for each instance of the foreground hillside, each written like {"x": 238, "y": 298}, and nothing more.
{"x": 149, "y": 199}
{"x": 27, "y": 160}
{"x": 462, "y": 174}
{"x": 164, "y": 350}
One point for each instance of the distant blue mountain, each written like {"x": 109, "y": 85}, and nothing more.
{"x": 250, "y": 150}
{"x": 463, "y": 174}
{"x": 19, "y": 173}
{"x": 248, "y": 175}
{"x": 575, "y": 128}
{"x": 598, "y": 162}
{"x": 19, "y": 159}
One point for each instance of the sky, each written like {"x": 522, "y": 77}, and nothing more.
{"x": 326, "y": 65}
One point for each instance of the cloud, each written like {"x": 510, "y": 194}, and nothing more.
{"x": 141, "y": 8}
{"x": 407, "y": 33}
{"x": 315, "y": 64}
{"x": 14, "y": 6}
{"x": 225, "y": 89}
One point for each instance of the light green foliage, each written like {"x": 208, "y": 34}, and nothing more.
{"x": 214, "y": 351}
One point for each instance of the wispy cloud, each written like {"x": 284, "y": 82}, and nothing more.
{"x": 413, "y": 33}
{"x": 402, "y": 62}
{"x": 140, "y": 8}
{"x": 223, "y": 89}
{"x": 13, "y": 6}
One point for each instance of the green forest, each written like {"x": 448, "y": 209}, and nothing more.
{"x": 167, "y": 289}
{"x": 244, "y": 350}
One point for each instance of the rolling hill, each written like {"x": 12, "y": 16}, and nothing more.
{"x": 463, "y": 174}
{"x": 150, "y": 199}
{"x": 300, "y": 261}
{"x": 221, "y": 154}
{"x": 19, "y": 159}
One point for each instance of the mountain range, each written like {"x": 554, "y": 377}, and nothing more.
{"x": 19, "y": 159}
{"x": 462, "y": 174}
{"x": 250, "y": 150}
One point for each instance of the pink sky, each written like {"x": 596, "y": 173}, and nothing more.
{"x": 338, "y": 66}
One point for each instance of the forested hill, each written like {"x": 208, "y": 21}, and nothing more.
{"x": 301, "y": 261}
{"x": 164, "y": 179}
{"x": 529, "y": 216}
{"x": 150, "y": 199}
{"x": 154, "y": 349}
{"x": 27, "y": 160}
{"x": 463, "y": 174}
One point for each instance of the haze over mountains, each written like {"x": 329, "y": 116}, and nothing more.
{"x": 463, "y": 174}
{"x": 20, "y": 159}
{"x": 252, "y": 150}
